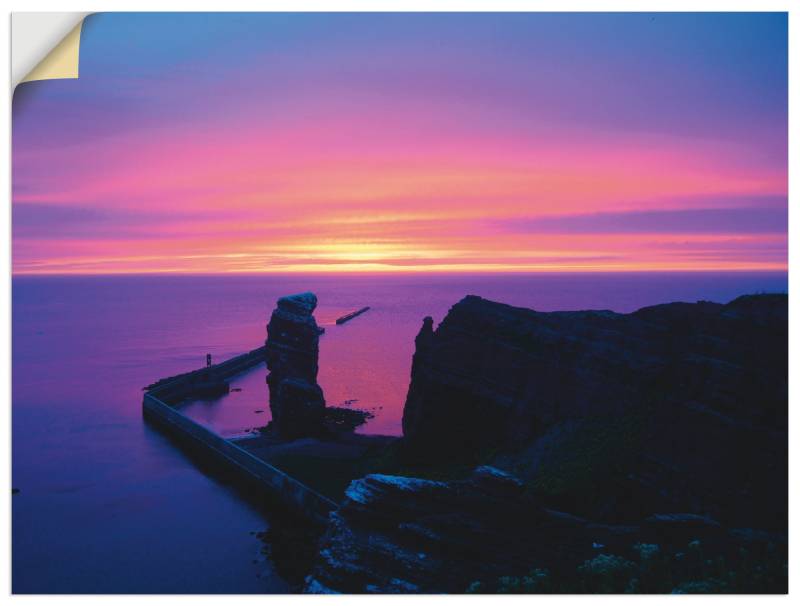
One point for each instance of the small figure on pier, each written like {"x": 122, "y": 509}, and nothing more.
{"x": 208, "y": 360}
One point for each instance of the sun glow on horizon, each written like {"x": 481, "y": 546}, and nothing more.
{"x": 485, "y": 154}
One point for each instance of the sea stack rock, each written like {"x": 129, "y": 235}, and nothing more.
{"x": 295, "y": 398}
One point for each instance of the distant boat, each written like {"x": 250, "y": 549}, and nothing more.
{"x": 351, "y": 315}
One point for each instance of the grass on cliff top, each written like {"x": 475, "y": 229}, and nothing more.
{"x": 648, "y": 568}
{"x": 585, "y": 466}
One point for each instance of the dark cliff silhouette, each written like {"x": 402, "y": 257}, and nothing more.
{"x": 611, "y": 452}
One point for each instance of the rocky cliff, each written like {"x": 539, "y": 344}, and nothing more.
{"x": 690, "y": 399}
{"x": 292, "y": 352}
{"x": 629, "y": 452}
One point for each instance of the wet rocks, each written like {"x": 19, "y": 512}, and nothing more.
{"x": 292, "y": 353}
{"x": 395, "y": 534}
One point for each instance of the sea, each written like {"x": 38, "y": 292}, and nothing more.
{"x": 107, "y": 504}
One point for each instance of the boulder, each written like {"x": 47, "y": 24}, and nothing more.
{"x": 394, "y": 534}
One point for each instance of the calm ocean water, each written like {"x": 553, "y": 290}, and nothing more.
{"x": 107, "y": 504}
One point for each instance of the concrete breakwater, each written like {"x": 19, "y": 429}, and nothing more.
{"x": 351, "y": 315}
{"x": 161, "y": 404}
{"x": 209, "y": 380}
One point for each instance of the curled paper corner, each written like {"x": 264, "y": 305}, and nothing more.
{"x": 45, "y": 46}
{"x": 62, "y": 61}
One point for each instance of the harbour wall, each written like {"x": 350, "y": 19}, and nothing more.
{"x": 243, "y": 466}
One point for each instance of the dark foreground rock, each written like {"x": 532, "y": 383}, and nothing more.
{"x": 642, "y": 452}
{"x": 396, "y": 534}
{"x": 678, "y": 407}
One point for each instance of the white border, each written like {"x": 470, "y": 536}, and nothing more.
{"x": 396, "y": 5}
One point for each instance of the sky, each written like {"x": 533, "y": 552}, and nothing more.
{"x": 211, "y": 143}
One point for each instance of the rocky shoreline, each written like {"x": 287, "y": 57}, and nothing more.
{"x": 570, "y": 451}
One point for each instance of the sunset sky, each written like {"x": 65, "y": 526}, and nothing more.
{"x": 399, "y": 142}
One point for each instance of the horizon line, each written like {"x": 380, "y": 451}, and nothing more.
{"x": 175, "y": 273}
